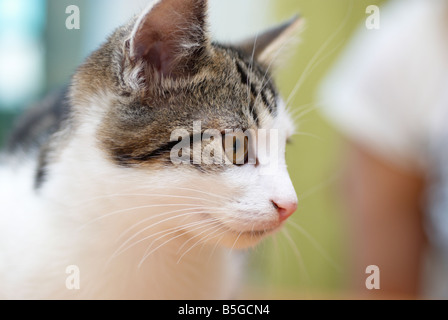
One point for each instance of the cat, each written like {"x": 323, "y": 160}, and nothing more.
{"x": 87, "y": 182}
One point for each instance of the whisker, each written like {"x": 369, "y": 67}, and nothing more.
{"x": 204, "y": 192}
{"x": 198, "y": 225}
{"x": 161, "y": 222}
{"x": 121, "y": 250}
{"x": 265, "y": 81}
{"x": 294, "y": 110}
{"x": 321, "y": 186}
{"x": 252, "y": 61}
{"x": 139, "y": 208}
{"x": 318, "y": 247}
{"x": 154, "y": 217}
{"x": 146, "y": 255}
{"x": 197, "y": 242}
{"x": 299, "y": 256}
{"x": 210, "y": 236}
{"x": 318, "y": 53}
{"x": 236, "y": 241}
{"x": 222, "y": 234}
{"x": 307, "y": 134}
{"x": 192, "y": 238}
{"x": 279, "y": 50}
{"x": 146, "y": 195}
{"x": 303, "y": 113}
{"x": 279, "y": 252}
{"x": 311, "y": 69}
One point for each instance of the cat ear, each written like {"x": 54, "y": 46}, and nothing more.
{"x": 170, "y": 36}
{"x": 267, "y": 46}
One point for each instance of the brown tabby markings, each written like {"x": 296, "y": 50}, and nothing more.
{"x": 228, "y": 91}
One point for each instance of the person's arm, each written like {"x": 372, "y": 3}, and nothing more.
{"x": 385, "y": 218}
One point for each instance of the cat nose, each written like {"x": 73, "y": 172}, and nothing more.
{"x": 285, "y": 208}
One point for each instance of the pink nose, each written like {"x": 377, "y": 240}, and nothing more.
{"x": 285, "y": 208}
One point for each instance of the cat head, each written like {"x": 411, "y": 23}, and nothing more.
{"x": 167, "y": 100}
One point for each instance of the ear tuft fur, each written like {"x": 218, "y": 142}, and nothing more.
{"x": 266, "y": 47}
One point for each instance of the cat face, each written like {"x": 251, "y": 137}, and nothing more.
{"x": 166, "y": 85}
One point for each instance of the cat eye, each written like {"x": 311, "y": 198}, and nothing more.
{"x": 236, "y": 148}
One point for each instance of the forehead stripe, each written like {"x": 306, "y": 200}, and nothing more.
{"x": 265, "y": 84}
{"x": 245, "y": 80}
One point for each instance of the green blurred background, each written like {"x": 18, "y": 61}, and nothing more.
{"x": 308, "y": 259}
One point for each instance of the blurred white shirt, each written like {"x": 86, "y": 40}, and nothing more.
{"x": 389, "y": 92}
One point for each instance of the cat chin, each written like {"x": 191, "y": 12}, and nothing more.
{"x": 236, "y": 240}
{"x": 243, "y": 241}
{"x": 229, "y": 233}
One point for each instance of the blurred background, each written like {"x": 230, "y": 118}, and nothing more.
{"x": 38, "y": 53}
